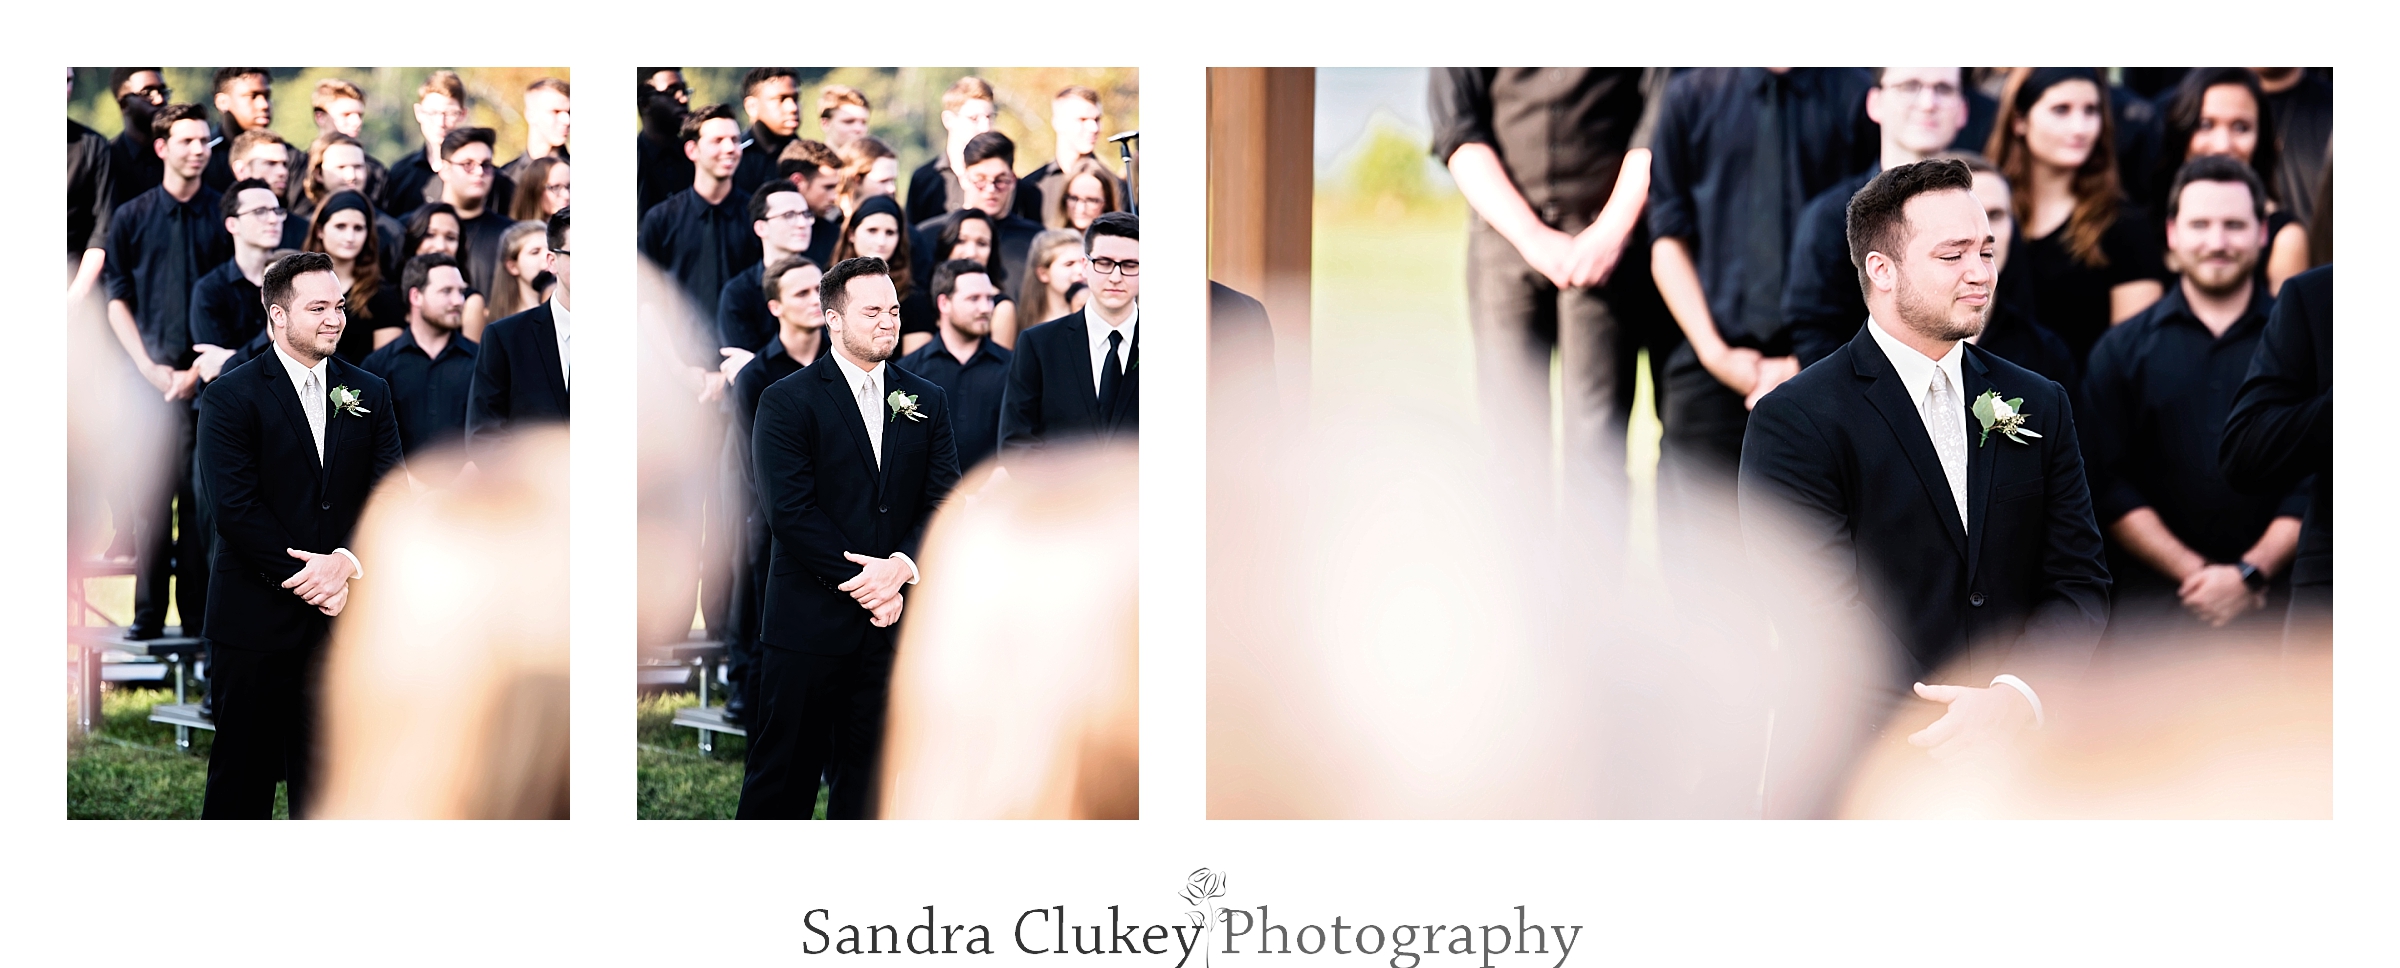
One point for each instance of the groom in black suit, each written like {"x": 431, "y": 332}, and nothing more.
{"x": 290, "y": 446}
{"x": 1958, "y": 525}
{"x": 853, "y": 457}
{"x": 1078, "y": 375}
{"x": 523, "y": 361}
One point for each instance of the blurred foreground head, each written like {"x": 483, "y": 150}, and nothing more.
{"x": 1014, "y": 693}
{"x": 446, "y": 689}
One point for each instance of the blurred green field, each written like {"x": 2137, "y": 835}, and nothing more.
{"x": 674, "y": 781}
{"x": 129, "y": 768}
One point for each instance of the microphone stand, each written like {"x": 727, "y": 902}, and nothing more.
{"x": 1133, "y": 173}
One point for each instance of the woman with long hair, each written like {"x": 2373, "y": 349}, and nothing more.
{"x": 1090, "y": 193}
{"x": 542, "y": 189}
{"x": 345, "y": 230}
{"x": 2224, "y": 111}
{"x": 869, "y": 168}
{"x": 523, "y": 283}
{"x": 878, "y": 230}
{"x": 435, "y": 228}
{"x": 971, "y": 237}
{"x": 2092, "y": 257}
{"x": 1053, "y": 285}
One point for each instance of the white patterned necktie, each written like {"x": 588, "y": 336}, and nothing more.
{"x": 867, "y": 415}
{"x": 312, "y": 402}
{"x": 1946, "y": 421}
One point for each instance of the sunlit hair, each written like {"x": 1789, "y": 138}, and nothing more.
{"x": 858, "y": 161}
{"x": 2098, "y": 193}
{"x": 968, "y": 88}
{"x": 333, "y": 89}
{"x": 508, "y": 300}
{"x": 366, "y": 271}
{"x": 1112, "y": 195}
{"x": 805, "y": 158}
{"x": 313, "y": 185}
{"x": 533, "y": 189}
{"x": 244, "y": 143}
{"x": 446, "y": 84}
{"x": 1035, "y": 302}
{"x": 834, "y": 96}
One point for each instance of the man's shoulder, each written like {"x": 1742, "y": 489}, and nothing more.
{"x": 380, "y": 361}
{"x": 1061, "y": 330}
{"x": 511, "y": 327}
{"x": 1820, "y": 380}
{"x": 935, "y": 224}
{"x": 791, "y": 387}
{"x": 2119, "y": 339}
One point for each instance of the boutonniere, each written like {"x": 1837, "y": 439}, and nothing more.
{"x": 2003, "y": 416}
{"x": 345, "y": 401}
{"x": 904, "y": 405}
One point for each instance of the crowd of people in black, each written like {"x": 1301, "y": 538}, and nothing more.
{"x": 2162, "y": 235}
{"x": 1005, "y": 304}
{"x": 445, "y": 302}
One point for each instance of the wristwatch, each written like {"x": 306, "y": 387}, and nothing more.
{"x": 2252, "y": 578}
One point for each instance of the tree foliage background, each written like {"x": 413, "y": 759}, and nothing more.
{"x": 495, "y": 99}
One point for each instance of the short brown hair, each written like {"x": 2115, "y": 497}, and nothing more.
{"x": 1078, "y": 92}
{"x": 806, "y": 158}
{"x": 446, "y": 84}
{"x": 1878, "y": 215}
{"x": 334, "y": 89}
{"x": 162, "y": 124}
{"x": 836, "y": 95}
{"x": 549, "y": 84}
{"x": 251, "y": 139}
{"x": 713, "y": 112}
{"x": 968, "y": 88}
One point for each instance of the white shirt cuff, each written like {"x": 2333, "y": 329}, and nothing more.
{"x": 360, "y": 571}
{"x": 912, "y": 570}
{"x": 2020, "y": 686}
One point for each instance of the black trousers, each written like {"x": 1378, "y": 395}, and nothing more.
{"x": 1700, "y": 456}
{"x": 815, "y": 715}
{"x": 266, "y": 729}
{"x": 170, "y": 539}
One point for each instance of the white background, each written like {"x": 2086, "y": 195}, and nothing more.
{"x": 604, "y": 888}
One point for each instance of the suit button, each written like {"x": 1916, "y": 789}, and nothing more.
{"x": 325, "y": 505}
{"x": 1975, "y": 599}
{"x": 885, "y": 509}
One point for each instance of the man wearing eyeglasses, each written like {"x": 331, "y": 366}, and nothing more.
{"x": 468, "y": 177}
{"x": 934, "y": 189}
{"x": 780, "y": 216}
{"x": 229, "y": 320}
{"x": 441, "y": 106}
{"x": 1079, "y": 375}
{"x": 988, "y": 174}
{"x": 262, "y": 155}
{"x": 1918, "y": 111}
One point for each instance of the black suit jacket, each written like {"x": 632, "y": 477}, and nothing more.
{"x": 518, "y": 378}
{"x": 2281, "y": 426}
{"x": 259, "y": 466}
{"x": 822, "y": 494}
{"x": 1049, "y": 395}
{"x": 1837, "y": 462}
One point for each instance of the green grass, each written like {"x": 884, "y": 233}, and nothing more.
{"x": 674, "y": 780}
{"x": 129, "y": 768}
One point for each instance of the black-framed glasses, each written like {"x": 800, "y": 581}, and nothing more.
{"x": 155, "y": 95}
{"x": 559, "y": 252}
{"x": 794, "y": 215}
{"x": 1911, "y": 90}
{"x": 272, "y": 213}
{"x": 1104, "y": 266}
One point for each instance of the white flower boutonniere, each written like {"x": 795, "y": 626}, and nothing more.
{"x": 345, "y": 402}
{"x": 2003, "y": 416}
{"x": 904, "y": 405}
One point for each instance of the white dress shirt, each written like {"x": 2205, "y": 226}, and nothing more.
{"x": 1098, "y": 332}
{"x": 304, "y": 377}
{"x": 866, "y": 387}
{"x": 1916, "y": 374}
{"x": 562, "y": 321}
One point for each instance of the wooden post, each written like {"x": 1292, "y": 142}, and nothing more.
{"x": 1261, "y": 189}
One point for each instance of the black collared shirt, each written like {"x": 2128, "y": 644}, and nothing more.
{"x": 1701, "y": 155}
{"x": 1822, "y": 305}
{"x": 933, "y": 190}
{"x": 772, "y": 363}
{"x": 759, "y": 153}
{"x": 700, "y": 246}
{"x": 91, "y": 194}
{"x": 1561, "y": 132}
{"x": 742, "y": 317}
{"x": 974, "y": 388}
{"x": 479, "y": 248}
{"x": 2072, "y": 297}
{"x": 404, "y": 183}
{"x": 133, "y": 164}
{"x": 2159, "y": 389}
{"x": 227, "y": 310}
{"x": 429, "y": 394}
{"x": 158, "y": 248}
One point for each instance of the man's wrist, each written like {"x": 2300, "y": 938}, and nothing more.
{"x": 357, "y": 570}
{"x": 911, "y": 563}
{"x": 2027, "y": 691}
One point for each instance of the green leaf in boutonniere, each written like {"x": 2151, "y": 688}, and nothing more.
{"x": 904, "y": 405}
{"x": 2001, "y": 415}
{"x": 345, "y": 402}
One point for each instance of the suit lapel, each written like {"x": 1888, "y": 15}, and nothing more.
{"x": 280, "y": 389}
{"x": 333, "y": 422}
{"x": 1908, "y": 429}
{"x": 545, "y": 352}
{"x": 837, "y": 386}
{"x": 1979, "y": 462}
{"x": 1077, "y": 331}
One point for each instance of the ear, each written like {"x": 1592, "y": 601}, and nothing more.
{"x": 691, "y": 150}
{"x": 1882, "y": 272}
{"x": 230, "y": 223}
{"x": 1875, "y": 104}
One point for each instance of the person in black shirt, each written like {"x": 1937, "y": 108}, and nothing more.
{"x": 771, "y": 97}
{"x": 1553, "y": 162}
{"x": 468, "y": 178}
{"x": 1723, "y": 203}
{"x": 660, "y": 169}
{"x": 245, "y": 98}
{"x": 2087, "y": 251}
{"x": 263, "y": 155}
{"x": 338, "y": 163}
{"x": 2301, "y": 104}
{"x": 159, "y": 245}
{"x": 2012, "y": 333}
{"x": 133, "y": 163}
{"x": 967, "y": 111}
{"x": 968, "y": 236}
{"x": 799, "y": 341}
{"x": 779, "y": 215}
{"x": 2281, "y": 432}
{"x": 549, "y": 119}
{"x": 227, "y": 310}
{"x": 344, "y": 230}
{"x": 817, "y": 172}
{"x": 965, "y": 363}
{"x": 431, "y": 368}
{"x": 990, "y": 181}
{"x": 1918, "y": 112}
{"x": 875, "y": 231}
{"x": 441, "y": 106}
{"x": 1075, "y": 119}
{"x": 2161, "y": 385}
{"x": 2223, "y": 111}
{"x": 91, "y": 196}
{"x": 702, "y": 236}
{"x": 340, "y": 108}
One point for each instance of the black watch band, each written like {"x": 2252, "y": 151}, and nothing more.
{"x": 2253, "y": 578}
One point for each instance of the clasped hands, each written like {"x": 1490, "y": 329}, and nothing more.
{"x": 1978, "y": 718}
{"x": 1577, "y": 261}
{"x": 876, "y": 587}
{"x": 2216, "y": 594}
{"x": 322, "y": 581}
{"x": 1747, "y": 371}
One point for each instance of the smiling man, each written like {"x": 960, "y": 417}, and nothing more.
{"x": 1893, "y": 476}
{"x": 291, "y": 444}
